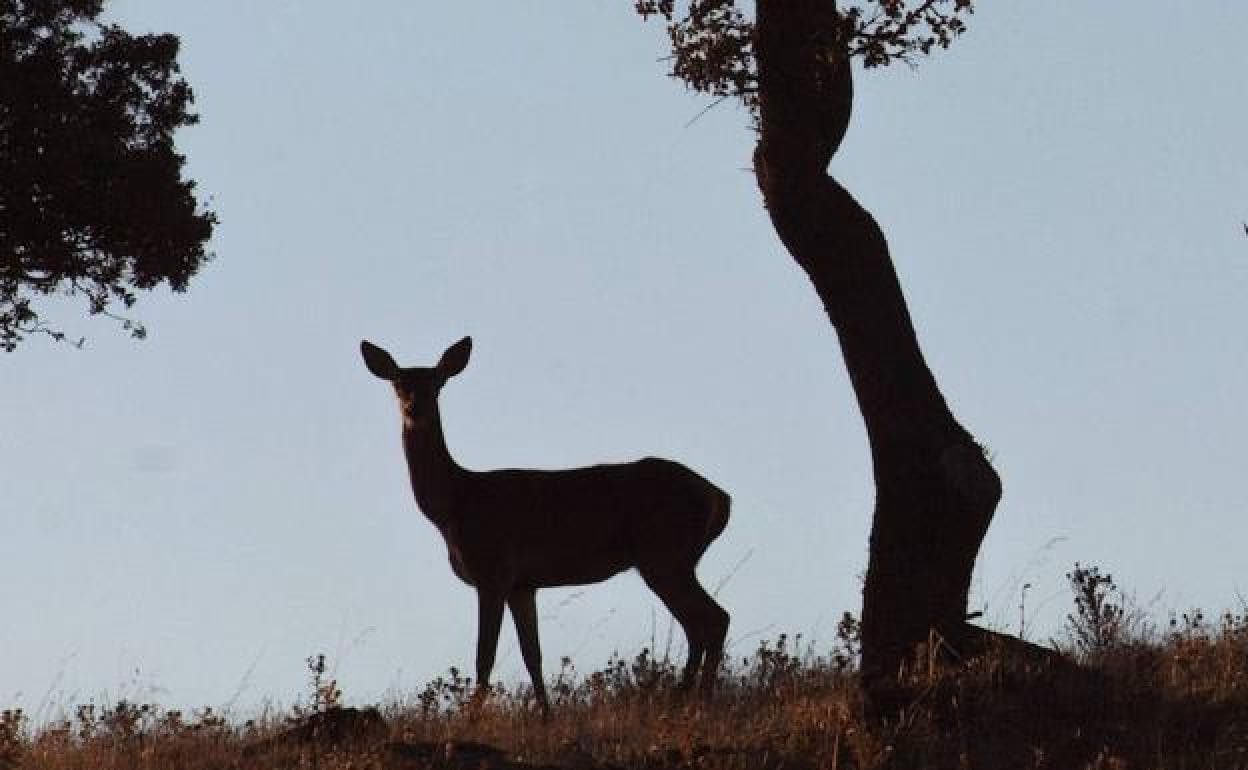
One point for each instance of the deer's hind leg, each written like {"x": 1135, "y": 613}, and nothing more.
{"x": 705, "y": 623}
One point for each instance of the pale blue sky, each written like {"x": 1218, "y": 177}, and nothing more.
{"x": 189, "y": 517}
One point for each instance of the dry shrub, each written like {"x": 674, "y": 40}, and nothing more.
{"x": 1135, "y": 700}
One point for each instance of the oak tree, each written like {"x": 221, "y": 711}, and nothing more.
{"x": 93, "y": 203}
{"x": 789, "y": 62}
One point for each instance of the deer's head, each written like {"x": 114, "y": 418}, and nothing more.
{"x": 416, "y": 386}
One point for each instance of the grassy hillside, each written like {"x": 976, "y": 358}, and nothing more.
{"x": 1141, "y": 697}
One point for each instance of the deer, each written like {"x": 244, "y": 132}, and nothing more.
{"x": 512, "y": 531}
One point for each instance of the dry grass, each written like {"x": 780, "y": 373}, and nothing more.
{"x": 1173, "y": 699}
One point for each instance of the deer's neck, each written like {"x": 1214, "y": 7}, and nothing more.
{"x": 435, "y": 475}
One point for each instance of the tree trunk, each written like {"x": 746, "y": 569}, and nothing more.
{"x": 935, "y": 491}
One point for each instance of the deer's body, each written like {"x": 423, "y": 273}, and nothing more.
{"x": 510, "y": 532}
{"x": 579, "y": 526}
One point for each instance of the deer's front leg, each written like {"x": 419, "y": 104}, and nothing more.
{"x": 489, "y": 619}
{"x": 523, "y": 604}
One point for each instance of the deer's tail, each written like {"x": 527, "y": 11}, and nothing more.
{"x": 720, "y": 505}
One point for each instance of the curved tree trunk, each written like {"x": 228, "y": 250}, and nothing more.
{"x": 935, "y": 491}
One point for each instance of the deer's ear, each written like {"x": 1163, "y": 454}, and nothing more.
{"x": 455, "y": 358}
{"x": 378, "y": 361}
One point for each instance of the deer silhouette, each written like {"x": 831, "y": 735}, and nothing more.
{"x": 510, "y": 532}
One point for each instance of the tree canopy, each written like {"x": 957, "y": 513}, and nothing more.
{"x": 93, "y": 203}
{"x": 713, "y": 40}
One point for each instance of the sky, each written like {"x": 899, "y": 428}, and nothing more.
{"x": 187, "y": 518}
